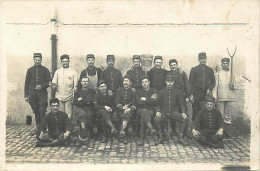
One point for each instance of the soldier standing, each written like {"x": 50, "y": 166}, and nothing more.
{"x": 35, "y": 89}
{"x": 202, "y": 81}
{"x": 111, "y": 75}
{"x": 223, "y": 91}
{"x": 136, "y": 72}
{"x": 91, "y": 72}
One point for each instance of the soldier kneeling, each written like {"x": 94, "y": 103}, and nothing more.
{"x": 59, "y": 127}
{"x": 207, "y": 127}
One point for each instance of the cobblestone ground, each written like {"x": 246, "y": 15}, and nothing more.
{"x": 20, "y": 148}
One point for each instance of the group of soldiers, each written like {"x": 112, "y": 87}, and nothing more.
{"x": 152, "y": 98}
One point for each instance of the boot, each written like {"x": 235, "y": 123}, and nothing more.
{"x": 181, "y": 140}
{"x": 36, "y": 131}
{"x": 141, "y": 142}
{"x": 122, "y": 133}
{"x": 104, "y": 139}
{"x": 125, "y": 140}
{"x": 113, "y": 131}
{"x": 160, "y": 138}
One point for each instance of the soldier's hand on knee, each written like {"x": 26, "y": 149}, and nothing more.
{"x": 66, "y": 134}
{"x": 26, "y": 99}
{"x": 195, "y": 133}
{"x": 108, "y": 109}
{"x": 154, "y": 96}
{"x": 184, "y": 115}
{"x": 158, "y": 114}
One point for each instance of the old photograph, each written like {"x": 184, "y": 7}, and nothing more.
{"x": 129, "y": 85}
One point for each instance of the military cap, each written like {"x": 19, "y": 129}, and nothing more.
{"x": 127, "y": 76}
{"x": 100, "y": 82}
{"x": 157, "y": 57}
{"x": 172, "y": 60}
{"x": 136, "y": 57}
{"x": 110, "y": 57}
{"x": 144, "y": 77}
{"x": 202, "y": 55}
{"x": 225, "y": 60}
{"x": 65, "y": 56}
{"x": 169, "y": 77}
{"x": 90, "y": 56}
{"x": 39, "y": 55}
{"x": 209, "y": 99}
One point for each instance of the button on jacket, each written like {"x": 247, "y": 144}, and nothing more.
{"x": 157, "y": 78}
{"x": 67, "y": 80}
{"x": 125, "y": 97}
{"x": 36, "y": 75}
{"x": 102, "y": 100}
{"x": 202, "y": 77}
{"x": 150, "y": 103}
{"x": 210, "y": 120}
{"x": 181, "y": 83}
{"x": 135, "y": 75}
{"x": 113, "y": 78}
{"x": 170, "y": 100}
{"x": 56, "y": 123}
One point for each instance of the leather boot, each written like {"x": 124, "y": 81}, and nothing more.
{"x": 104, "y": 139}
{"x": 141, "y": 141}
{"x": 160, "y": 138}
{"x": 181, "y": 140}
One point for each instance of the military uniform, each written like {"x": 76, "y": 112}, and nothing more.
{"x": 93, "y": 74}
{"x": 113, "y": 78}
{"x": 57, "y": 124}
{"x": 157, "y": 78}
{"x": 201, "y": 79}
{"x": 135, "y": 74}
{"x": 37, "y": 75}
{"x": 208, "y": 123}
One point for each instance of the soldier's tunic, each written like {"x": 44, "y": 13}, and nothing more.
{"x": 201, "y": 79}
{"x": 181, "y": 83}
{"x": 93, "y": 74}
{"x": 208, "y": 123}
{"x": 112, "y": 77}
{"x": 157, "y": 78}
{"x": 83, "y": 100}
{"x": 224, "y": 95}
{"x": 125, "y": 97}
{"x": 37, "y": 75}
{"x": 135, "y": 74}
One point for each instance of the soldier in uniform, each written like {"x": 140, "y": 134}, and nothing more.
{"x": 182, "y": 84}
{"x": 169, "y": 101}
{"x": 202, "y": 81}
{"x": 58, "y": 125}
{"x": 146, "y": 99}
{"x": 104, "y": 105}
{"x": 136, "y": 72}
{"x": 91, "y": 72}
{"x": 208, "y": 125}
{"x": 157, "y": 75}
{"x": 125, "y": 104}
{"x": 111, "y": 75}
{"x": 65, "y": 80}
{"x": 35, "y": 89}
{"x": 83, "y": 100}
{"x": 224, "y": 92}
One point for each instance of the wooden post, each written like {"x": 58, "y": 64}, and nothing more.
{"x": 53, "y": 58}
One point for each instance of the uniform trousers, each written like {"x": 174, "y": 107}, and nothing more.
{"x": 208, "y": 136}
{"x": 66, "y": 107}
{"x": 38, "y": 102}
{"x": 146, "y": 116}
{"x": 104, "y": 117}
{"x": 85, "y": 115}
{"x": 225, "y": 108}
{"x": 199, "y": 96}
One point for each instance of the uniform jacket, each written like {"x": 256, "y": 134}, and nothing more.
{"x": 56, "y": 123}
{"x": 181, "y": 83}
{"x": 125, "y": 97}
{"x": 87, "y": 97}
{"x": 101, "y": 100}
{"x": 221, "y": 91}
{"x": 92, "y": 71}
{"x": 113, "y": 78}
{"x": 67, "y": 80}
{"x": 135, "y": 75}
{"x": 202, "y": 77}
{"x": 36, "y": 75}
{"x": 210, "y": 120}
{"x": 150, "y": 103}
{"x": 170, "y": 100}
{"x": 157, "y": 78}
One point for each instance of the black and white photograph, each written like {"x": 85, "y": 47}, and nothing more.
{"x": 129, "y": 85}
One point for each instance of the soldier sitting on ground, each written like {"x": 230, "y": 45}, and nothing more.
{"x": 207, "y": 127}
{"x": 58, "y": 125}
{"x": 104, "y": 105}
{"x": 83, "y": 100}
{"x": 125, "y": 103}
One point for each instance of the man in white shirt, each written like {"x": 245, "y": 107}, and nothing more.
{"x": 65, "y": 81}
{"x": 223, "y": 91}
